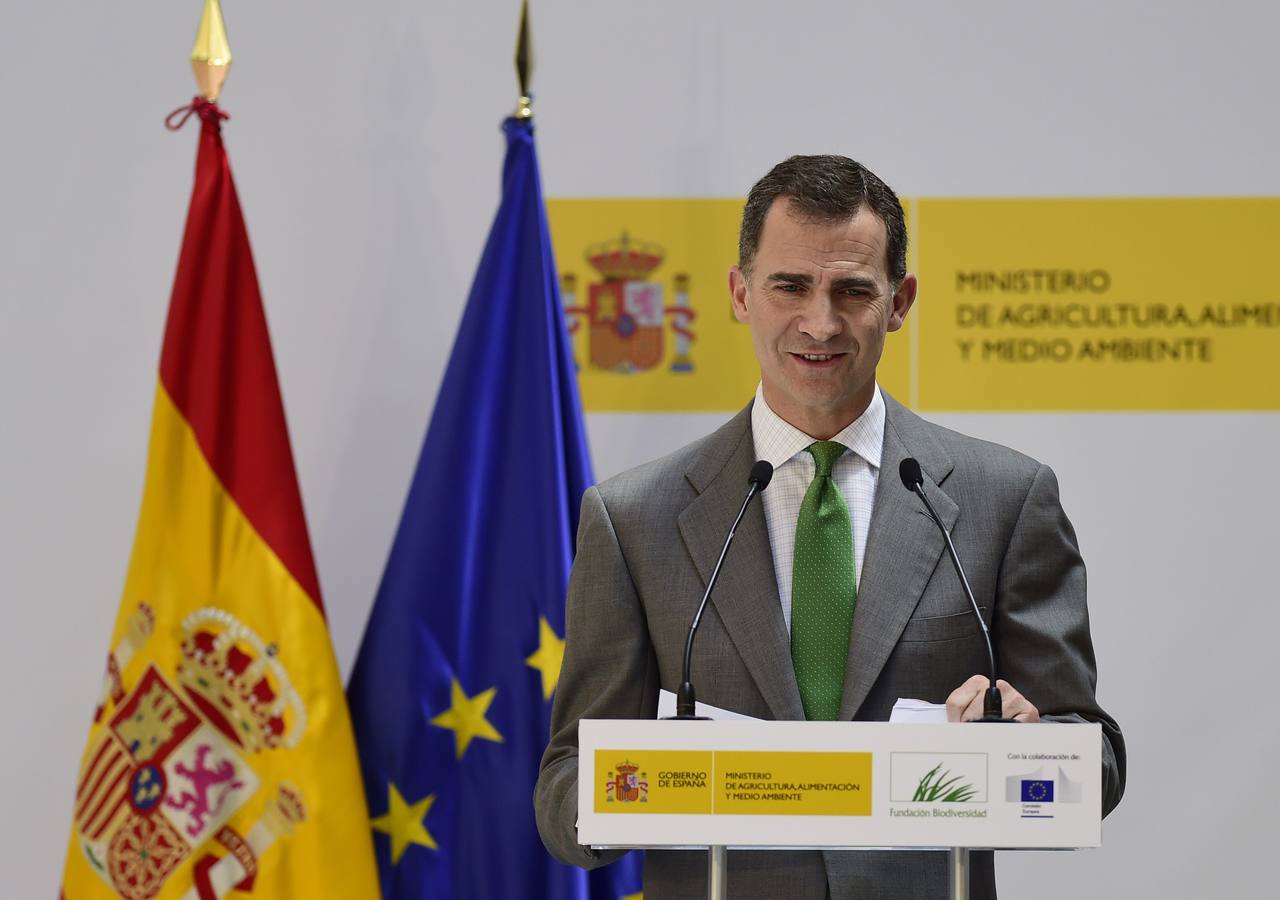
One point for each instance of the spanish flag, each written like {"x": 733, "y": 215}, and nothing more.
{"x": 221, "y": 756}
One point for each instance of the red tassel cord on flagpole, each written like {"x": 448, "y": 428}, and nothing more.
{"x": 205, "y": 109}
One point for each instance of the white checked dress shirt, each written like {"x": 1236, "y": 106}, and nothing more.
{"x": 855, "y": 474}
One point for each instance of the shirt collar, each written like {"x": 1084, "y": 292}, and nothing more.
{"x": 778, "y": 441}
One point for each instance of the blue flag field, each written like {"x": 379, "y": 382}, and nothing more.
{"x": 451, "y": 692}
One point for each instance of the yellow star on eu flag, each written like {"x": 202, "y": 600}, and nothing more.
{"x": 465, "y": 717}
{"x": 548, "y": 658}
{"x": 403, "y": 823}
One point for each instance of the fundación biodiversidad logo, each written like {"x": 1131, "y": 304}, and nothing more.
{"x": 938, "y": 785}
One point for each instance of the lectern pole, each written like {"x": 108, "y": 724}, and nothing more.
{"x": 718, "y": 859}
{"x": 959, "y": 873}
{"x": 717, "y": 873}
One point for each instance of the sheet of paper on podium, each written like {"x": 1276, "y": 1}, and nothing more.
{"x": 905, "y": 710}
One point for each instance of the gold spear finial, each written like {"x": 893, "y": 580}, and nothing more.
{"x": 524, "y": 64}
{"x": 211, "y": 55}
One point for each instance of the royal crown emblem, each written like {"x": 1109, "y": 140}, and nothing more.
{"x": 625, "y": 312}
{"x": 237, "y": 683}
{"x": 171, "y": 765}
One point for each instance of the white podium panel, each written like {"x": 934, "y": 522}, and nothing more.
{"x": 838, "y": 784}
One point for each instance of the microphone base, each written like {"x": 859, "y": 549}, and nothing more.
{"x": 686, "y": 700}
{"x": 685, "y": 718}
{"x": 996, "y": 720}
{"x": 993, "y": 703}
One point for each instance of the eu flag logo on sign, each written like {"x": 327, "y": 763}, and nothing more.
{"x": 1035, "y": 791}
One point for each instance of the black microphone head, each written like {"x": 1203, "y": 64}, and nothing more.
{"x": 761, "y": 474}
{"x": 911, "y": 475}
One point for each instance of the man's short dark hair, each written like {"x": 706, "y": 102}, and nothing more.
{"x": 826, "y": 189}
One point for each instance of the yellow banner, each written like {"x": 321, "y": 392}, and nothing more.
{"x": 1106, "y": 304}
{"x": 787, "y": 783}
{"x": 733, "y": 782}
{"x": 1025, "y": 304}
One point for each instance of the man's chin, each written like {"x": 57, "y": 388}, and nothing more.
{"x": 825, "y": 404}
{"x": 824, "y": 390}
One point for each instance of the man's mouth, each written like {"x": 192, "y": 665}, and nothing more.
{"x": 818, "y": 359}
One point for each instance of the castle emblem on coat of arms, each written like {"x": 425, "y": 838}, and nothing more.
{"x": 626, "y": 311}
{"x": 626, "y": 784}
{"x": 171, "y": 764}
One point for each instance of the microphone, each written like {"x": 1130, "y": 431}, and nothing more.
{"x": 686, "y": 701}
{"x": 912, "y": 480}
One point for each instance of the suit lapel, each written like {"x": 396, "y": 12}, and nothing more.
{"x": 903, "y": 549}
{"x": 746, "y": 595}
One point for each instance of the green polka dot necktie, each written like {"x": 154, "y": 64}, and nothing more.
{"x": 823, "y": 589}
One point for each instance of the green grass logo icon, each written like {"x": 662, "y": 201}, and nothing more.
{"x": 941, "y": 787}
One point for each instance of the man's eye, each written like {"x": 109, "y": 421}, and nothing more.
{"x": 788, "y": 288}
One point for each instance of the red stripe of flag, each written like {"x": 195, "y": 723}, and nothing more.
{"x": 114, "y": 775}
{"x": 217, "y": 364}
{"x": 95, "y": 829}
{"x": 115, "y": 763}
{"x": 92, "y": 767}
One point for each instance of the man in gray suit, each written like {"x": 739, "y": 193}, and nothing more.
{"x": 838, "y": 555}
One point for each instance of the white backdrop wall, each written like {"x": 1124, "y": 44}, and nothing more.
{"x": 365, "y": 142}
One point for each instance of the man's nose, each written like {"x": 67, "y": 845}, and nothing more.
{"x": 820, "y": 320}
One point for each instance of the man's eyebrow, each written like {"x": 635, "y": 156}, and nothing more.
{"x": 790, "y": 278}
{"x": 853, "y": 281}
{"x": 864, "y": 282}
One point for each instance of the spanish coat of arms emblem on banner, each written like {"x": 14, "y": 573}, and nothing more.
{"x": 626, "y": 311}
{"x": 171, "y": 764}
{"x": 624, "y": 785}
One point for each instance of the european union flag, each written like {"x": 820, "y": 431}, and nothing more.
{"x": 1035, "y": 791}
{"x": 451, "y": 693}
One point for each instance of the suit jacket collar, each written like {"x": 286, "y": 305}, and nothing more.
{"x": 903, "y": 548}
{"x": 746, "y": 596}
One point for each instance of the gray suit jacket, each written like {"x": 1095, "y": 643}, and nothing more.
{"x": 648, "y": 540}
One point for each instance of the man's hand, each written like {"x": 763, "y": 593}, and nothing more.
{"x": 965, "y": 702}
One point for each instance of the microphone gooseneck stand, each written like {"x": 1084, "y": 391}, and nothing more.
{"x": 686, "y": 698}
{"x": 913, "y": 480}
{"x": 992, "y": 711}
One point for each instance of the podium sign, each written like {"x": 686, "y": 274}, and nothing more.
{"x": 838, "y": 784}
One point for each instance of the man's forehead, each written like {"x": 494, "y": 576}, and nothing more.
{"x": 792, "y": 236}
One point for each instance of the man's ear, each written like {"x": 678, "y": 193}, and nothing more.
{"x": 903, "y": 299}
{"x": 738, "y": 294}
